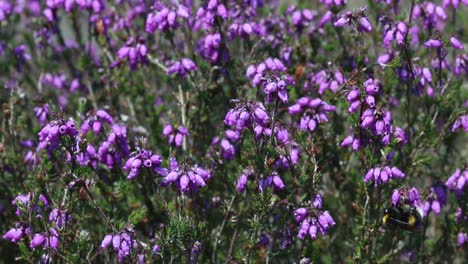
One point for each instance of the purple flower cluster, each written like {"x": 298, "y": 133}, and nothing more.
{"x": 49, "y": 239}
{"x": 314, "y": 112}
{"x": 325, "y": 80}
{"x": 182, "y": 67}
{"x": 435, "y": 200}
{"x": 393, "y": 31}
{"x": 257, "y": 73}
{"x": 247, "y": 115}
{"x": 273, "y": 179}
{"x": 15, "y": 234}
{"x": 383, "y": 175}
{"x": 205, "y": 16}
{"x": 276, "y": 88}
{"x": 42, "y": 113}
{"x": 165, "y": 19}
{"x": 458, "y": 181}
{"x": 210, "y": 48}
{"x": 50, "y": 135}
{"x": 123, "y": 243}
{"x": 28, "y": 202}
{"x": 462, "y": 122}
{"x": 59, "y": 217}
{"x": 175, "y": 136}
{"x": 410, "y": 196}
{"x": 134, "y": 53}
{"x": 313, "y": 220}
{"x": 356, "y": 19}
{"x": 94, "y": 122}
{"x": 114, "y": 148}
{"x": 187, "y": 179}
{"x": 143, "y": 159}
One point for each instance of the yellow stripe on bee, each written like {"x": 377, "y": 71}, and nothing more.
{"x": 385, "y": 218}
{"x": 412, "y": 220}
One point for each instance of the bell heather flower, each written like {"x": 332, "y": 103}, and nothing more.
{"x": 134, "y": 53}
{"x": 42, "y": 113}
{"x": 205, "y": 16}
{"x": 274, "y": 179}
{"x": 275, "y": 87}
{"x": 462, "y": 238}
{"x": 114, "y": 148}
{"x": 393, "y": 31}
{"x": 48, "y": 239}
{"x": 247, "y": 115}
{"x": 352, "y": 19}
{"x": 123, "y": 243}
{"x": 210, "y": 48}
{"x": 313, "y": 220}
{"x": 59, "y": 217}
{"x": 333, "y": 3}
{"x": 313, "y": 111}
{"x": 140, "y": 160}
{"x": 462, "y": 122}
{"x": 432, "y": 16}
{"x": 94, "y": 122}
{"x": 247, "y": 174}
{"x": 271, "y": 66}
{"x": 435, "y": 200}
{"x": 28, "y": 202}
{"x": 456, "y": 43}
{"x": 16, "y": 233}
{"x": 325, "y": 80}
{"x": 165, "y": 19}
{"x": 457, "y": 181}
{"x": 409, "y": 196}
{"x": 187, "y": 178}
{"x": 181, "y": 67}
{"x": 176, "y": 136}
{"x": 302, "y": 18}
{"x": 383, "y": 174}
{"x": 51, "y": 134}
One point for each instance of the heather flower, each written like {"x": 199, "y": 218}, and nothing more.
{"x": 325, "y": 80}
{"x": 460, "y": 216}
{"x": 435, "y": 200}
{"x": 456, "y": 43}
{"x": 85, "y": 154}
{"x": 271, "y": 66}
{"x": 433, "y": 43}
{"x": 313, "y": 111}
{"x": 175, "y": 136}
{"x": 94, "y": 122}
{"x": 42, "y": 113}
{"x": 205, "y": 16}
{"x": 5, "y": 10}
{"x": 156, "y": 249}
{"x": 462, "y": 238}
{"x": 457, "y": 181}
{"x": 394, "y": 31}
{"x": 276, "y": 88}
{"x": 409, "y": 196}
{"x": 243, "y": 179}
{"x": 115, "y": 147}
{"x": 357, "y": 19}
{"x": 302, "y": 18}
{"x": 194, "y": 252}
{"x": 123, "y": 243}
{"x": 462, "y": 122}
{"x": 48, "y": 239}
{"x": 383, "y": 174}
{"x": 181, "y": 67}
{"x": 247, "y": 115}
{"x": 51, "y": 134}
{"x": 59, "y": 217}
{"x": 274, "y": 179}
{"x": 313, "y": 221}
{"x": 29, "y": 202}
{"x": 164, "y": 18}
{"x": 134, "y": 53}
{"x": 333, "y": 3}
{"x": 210, "y": 48}
{"x": 16, "y": 233}
{"x": 186, "y": 178}
{"x": 432, "y": 16}
{"x": 143, "y": 159}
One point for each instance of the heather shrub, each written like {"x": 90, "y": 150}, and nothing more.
{"x": 233, "y": 131}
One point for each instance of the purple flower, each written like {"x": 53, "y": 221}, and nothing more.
{"x": 462, "y": 122}
{"x": 383, "y": 175}
{"x": 313, "y": 222}
{"x": 435, "y": 200}
{"x": 181, "y": 67}
{"x": 59, "y": 217}
{"x": 48, "y": 239}
{"x": 42, "y": 113}
{"x": 175, "y": 136}
{"x": 123, "y": 243}
{"x": 14, "y": 234}
{"x": 143, "y": 160}
{"x": 355, "y": 19}
{"x": 314, "y": 112}
{"x": 457, "y": 181}
{"x": 271, "y": 66}
{"x": 462, "y": 238}
{"x": 114, "y": 148}
{"x": 134, "y": 53}
{"x": 276, "y": 88}
{"x": 165, "y": 19}
{"x": 187, "y": 178}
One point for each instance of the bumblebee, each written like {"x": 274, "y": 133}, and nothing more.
{"x": 402, "y": 216}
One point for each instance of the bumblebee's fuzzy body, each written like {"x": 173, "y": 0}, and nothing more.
{"x": 402, "y": 216}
